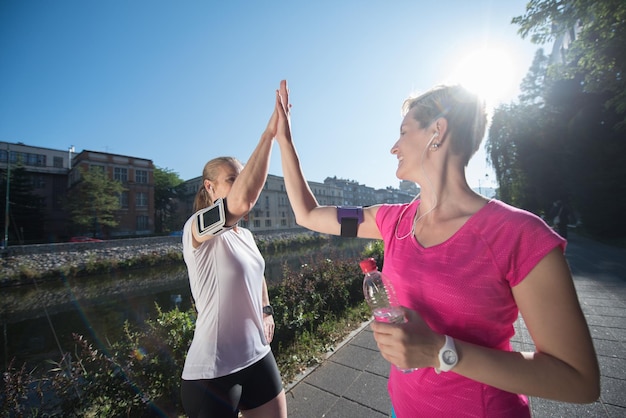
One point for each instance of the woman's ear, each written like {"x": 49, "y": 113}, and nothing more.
{"x": 208, "y": 186}
{"x": 441, "y": 127}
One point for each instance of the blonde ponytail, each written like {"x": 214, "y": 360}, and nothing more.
{"x": 204, "y": 198}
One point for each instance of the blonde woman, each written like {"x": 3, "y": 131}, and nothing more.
{"x": 230, "y": 367}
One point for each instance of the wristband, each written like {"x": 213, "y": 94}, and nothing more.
{"x": 349, "y": 217}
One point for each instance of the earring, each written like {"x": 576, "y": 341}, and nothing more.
{"x": 435, "y": 146}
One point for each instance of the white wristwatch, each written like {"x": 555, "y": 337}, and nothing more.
{"x": 447, "y": 356}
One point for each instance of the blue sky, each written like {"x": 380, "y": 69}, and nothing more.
{"x": 181, "y": 82}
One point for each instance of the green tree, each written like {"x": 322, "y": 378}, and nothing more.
{"x": 93, "y": 201}
{"x": 166, "y": 189}
{"x": 562, "y": 145}
{"x": 564, "y": 139}
{"x": 597, "y": 55}
{"x": 521, "y": 147}
{"x": 532, "y": 88}
{"x": 520, "y": 144}
{"x": 26, "y": 215}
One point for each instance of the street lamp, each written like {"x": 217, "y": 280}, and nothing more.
{"x": 6, "y": 210}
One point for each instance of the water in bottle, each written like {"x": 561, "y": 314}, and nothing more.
{"x": 380, "y": 296}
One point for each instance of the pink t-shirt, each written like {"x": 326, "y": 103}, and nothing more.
{"x": 462, "y": 288}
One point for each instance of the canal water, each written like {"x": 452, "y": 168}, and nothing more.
{"x": 38, "y": 320}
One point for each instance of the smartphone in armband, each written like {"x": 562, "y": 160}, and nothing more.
{"x": 212, "y": 220}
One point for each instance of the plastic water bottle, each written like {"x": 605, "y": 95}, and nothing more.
{"x": 379, "y": 294}
{"x": 381, "y": 297}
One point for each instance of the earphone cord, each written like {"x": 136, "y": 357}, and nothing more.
{"x": 436, "y": 202}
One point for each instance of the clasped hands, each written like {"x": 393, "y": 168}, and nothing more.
{"x": 279, "y": 125}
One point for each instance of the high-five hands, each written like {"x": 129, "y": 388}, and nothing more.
{"x": 283, "y": 109}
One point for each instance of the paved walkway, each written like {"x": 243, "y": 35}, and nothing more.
{"x": 352, "y": 382}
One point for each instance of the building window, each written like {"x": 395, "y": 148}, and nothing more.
{"x": 36, "y": 160}
{"x": 257, "y": 223}
{"x": 283, "y": 222}
{"x": 141, "y": 199}
{"x": 142, "y": 223}
{"x": 120, "y": 174}
{"x": 57, "y": 162}
{"x": 39, "y": 182}
{"x": 141, "y": 176}
{"x": 96, "y": 167}
{"x": 268, "y": 222}
{"x": 124, "y": 200}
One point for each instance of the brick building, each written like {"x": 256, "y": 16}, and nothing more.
{"x": 136, "y": 213}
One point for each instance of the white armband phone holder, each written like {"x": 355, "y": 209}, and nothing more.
{"x": 212, "y": 220}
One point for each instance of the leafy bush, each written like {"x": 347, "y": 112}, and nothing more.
{"x": 138, "y": 376}
{"x": 376, "y": 250}
{"x": 314, "y": 308}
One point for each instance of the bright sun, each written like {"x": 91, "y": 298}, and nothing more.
{"x": 488, "y": 72}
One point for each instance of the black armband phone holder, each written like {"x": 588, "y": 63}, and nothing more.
{"x": 349, "y": 217}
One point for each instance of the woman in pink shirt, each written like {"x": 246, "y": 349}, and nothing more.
{"x": 464, "y": 267}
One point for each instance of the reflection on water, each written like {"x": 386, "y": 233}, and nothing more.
{"x": 34, "y": 318}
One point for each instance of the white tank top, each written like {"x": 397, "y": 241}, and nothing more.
{"x": 226, "y": 279}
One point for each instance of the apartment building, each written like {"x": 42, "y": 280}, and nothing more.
{"x": 136, "y": 213}
{"x": 47, "y": 169}
{"x": 54, "y": 172}
{"x": 355, "y": 194}
{"x": 272, "y": 211}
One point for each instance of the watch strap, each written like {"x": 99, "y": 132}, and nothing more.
{"x": 448, "y": 357}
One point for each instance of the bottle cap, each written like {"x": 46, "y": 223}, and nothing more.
{"x": 367, "y": 265}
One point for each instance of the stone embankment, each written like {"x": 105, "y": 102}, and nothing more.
{"x": 38, "y": 260}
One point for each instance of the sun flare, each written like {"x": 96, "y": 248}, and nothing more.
{"x": 488, "y": 72}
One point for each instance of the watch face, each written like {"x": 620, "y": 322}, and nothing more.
{"x": 449, "y": 357}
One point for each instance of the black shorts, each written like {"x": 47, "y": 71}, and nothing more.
{"x": 223, "y": 397}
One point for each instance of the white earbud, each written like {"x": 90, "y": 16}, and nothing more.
{"x": 436, "y": 145}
